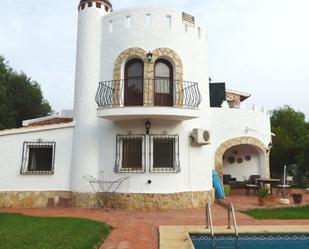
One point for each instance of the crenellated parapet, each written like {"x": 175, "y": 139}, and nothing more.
{"x": 100, "y": 4}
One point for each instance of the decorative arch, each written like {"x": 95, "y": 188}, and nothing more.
{"x": 174, "y": 58}
{"x": 171, "y": 55}
{"x": 125, "y": 56}
{"x": 239, "y": 141}
{"x": 136, "y": 52}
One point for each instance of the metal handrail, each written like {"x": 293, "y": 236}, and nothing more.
{"x": 209, "y": 222}
{"x": 134, "y": 92}
{"x": 232, "y": 210}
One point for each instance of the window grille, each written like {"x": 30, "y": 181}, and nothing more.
{"x": 38, "y": 158}
{"x": 130, "y": 154}
{"x": 164, "y": 153}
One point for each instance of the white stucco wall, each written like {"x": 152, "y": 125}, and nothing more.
{"x": 94, "y": 149}
{"x": 243, "y": 170}
{"x": 195, "y": 171}
{"x": 192, "y": 50}
{"x": 85, "y": 145}
{"x": 229, "y": 123}
{"x": 11, "y": 146}
{"x": 196, "y": 162}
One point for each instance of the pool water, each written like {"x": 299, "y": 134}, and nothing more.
{"x": 251, "y": 241}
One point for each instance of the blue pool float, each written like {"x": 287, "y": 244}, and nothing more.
{"x": 217, "y": 185}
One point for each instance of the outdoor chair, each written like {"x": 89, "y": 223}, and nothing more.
{"x": 285, "y": 190}
{"x": 252, "y": 184}
{"x": 229, "y": 180}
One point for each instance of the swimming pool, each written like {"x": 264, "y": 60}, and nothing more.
{"x": 251, "y": 241}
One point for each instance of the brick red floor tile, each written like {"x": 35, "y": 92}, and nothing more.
{"x": 139, "y": 229}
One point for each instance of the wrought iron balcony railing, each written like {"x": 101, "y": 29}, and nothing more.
{"x": 148, "y": 92}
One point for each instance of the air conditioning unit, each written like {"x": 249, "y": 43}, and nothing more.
{"x": 200, "y": 137}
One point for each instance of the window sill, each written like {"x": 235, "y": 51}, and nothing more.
{"x": 130, "y": 170}
{"x": 165, "y": 170}
{"x": 38, "y": 173}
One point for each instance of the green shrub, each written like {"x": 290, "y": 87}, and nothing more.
{"x": 263, "y": 192}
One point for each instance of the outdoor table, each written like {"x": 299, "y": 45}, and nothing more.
{"x": 270, "y": 181}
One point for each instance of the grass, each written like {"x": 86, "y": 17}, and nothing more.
{"x": 18, "y": 231}
{"x": 296, "y": 213}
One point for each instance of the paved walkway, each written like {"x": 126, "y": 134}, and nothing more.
{"x": 139, "y": 229}
{"x": 242, "y": 201}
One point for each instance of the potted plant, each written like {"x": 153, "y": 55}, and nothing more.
{"x": 227, "y": 189}
{"x": 262, "y": 194}
{"x": 297, "y": 198}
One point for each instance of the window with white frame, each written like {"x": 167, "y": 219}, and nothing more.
{"x": 164, "y": 153}
{"x": 38, "y": 158}
{"x": 130, "y": 154}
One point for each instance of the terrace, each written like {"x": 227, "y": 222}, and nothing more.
{"x": 137, "y": 98}
{"x": 140, "y": 229}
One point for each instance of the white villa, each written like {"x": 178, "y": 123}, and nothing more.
{"x": 144, "y": 112}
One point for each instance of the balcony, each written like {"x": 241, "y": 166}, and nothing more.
{"x": 148, "y": 99}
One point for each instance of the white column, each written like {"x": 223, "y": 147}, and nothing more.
{"x": 85, "y": 145}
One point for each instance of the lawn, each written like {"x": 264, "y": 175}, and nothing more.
{"x": 24, "y": 232}
{"x": 296, "y": 213}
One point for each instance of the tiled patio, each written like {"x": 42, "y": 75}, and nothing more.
{"x": 139, "y": 229}
{"x": 242, "y": 201}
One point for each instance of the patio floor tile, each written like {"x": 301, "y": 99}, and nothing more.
{"x": 139, "y": 229}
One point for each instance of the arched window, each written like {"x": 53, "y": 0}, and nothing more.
{"x": 134, "y": 83}
{"x": 164, "y": 88}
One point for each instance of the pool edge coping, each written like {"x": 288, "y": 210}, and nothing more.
{"x": 177, "y": 237}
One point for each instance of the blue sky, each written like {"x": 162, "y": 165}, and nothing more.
{"x": 256, "y": 46}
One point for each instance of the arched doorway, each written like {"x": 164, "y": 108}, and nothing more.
{"x": 164, "y": 84}
{"x": 240, "y": 149}
{"x": 134, "y": 83}
{"x": 242, "y": 161}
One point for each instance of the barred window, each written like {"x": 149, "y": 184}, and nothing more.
{"x": 132, "y": 150}
{"x": 164, "y": 151}
{"x": 130, "y": 155}
{"x": 38, "y": 158}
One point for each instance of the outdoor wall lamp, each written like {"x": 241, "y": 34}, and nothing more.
{"x": 147, "y": 125}
{"x": 269, "y": 147}
{"x": 149, "y": 56}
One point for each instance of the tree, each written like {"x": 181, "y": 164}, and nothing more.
{"x": 291, "y": 143}
{"x": 302, "y": 173}
{"x": 20, "y": 98}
